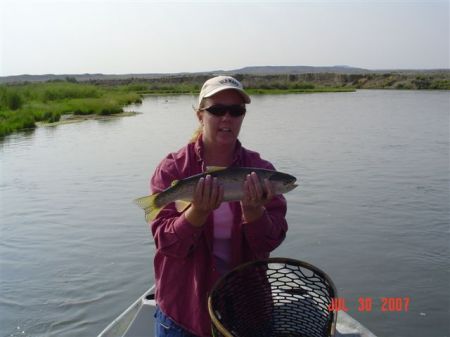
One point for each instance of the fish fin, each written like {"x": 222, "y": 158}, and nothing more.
{"x": 151, "y": 213}
{"x": 149, "y": 206}
{"x": 181, "y": 205}
{"x": 147, "y": 201}
{"x": 215, "y": 168}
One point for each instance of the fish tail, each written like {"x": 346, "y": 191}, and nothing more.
{"x": 148, "y": 204}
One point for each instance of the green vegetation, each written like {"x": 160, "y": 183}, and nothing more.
{"x": 253, "y": 89}
{"x": 22, "y": 105}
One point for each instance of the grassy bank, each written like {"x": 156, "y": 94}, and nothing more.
{"x": 308, "y": 82}
{"x": 271, "y": 89}
{"x": 23, "y": 105}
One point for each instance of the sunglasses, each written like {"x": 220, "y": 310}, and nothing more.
{"x": 220, "y": 110}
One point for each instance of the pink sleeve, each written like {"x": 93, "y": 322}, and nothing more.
{"x": 268, "y": 232}
{"x": 173, "y": 234}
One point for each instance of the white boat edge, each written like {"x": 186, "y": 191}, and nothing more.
{"x": 137, "y": 321}
{"x": 120, "y": 325}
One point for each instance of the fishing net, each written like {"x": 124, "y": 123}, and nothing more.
{"x": 276, "y": 297}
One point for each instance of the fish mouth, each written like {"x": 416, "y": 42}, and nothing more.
{"x": 291, "y": 181}
{"x": 291, "y": 186}
{"x": 287, "y": 181}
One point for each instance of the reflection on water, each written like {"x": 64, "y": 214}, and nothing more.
{"x": 371, "y": 210}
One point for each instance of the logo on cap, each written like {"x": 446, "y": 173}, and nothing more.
{"x": 230, "y": 81}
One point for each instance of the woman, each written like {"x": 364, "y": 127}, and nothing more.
{"x": 195, "y": 247}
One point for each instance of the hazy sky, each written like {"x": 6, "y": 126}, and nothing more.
{"x": 119, "y": 36}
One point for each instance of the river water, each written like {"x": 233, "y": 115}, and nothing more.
{"x": 372, "y": 208}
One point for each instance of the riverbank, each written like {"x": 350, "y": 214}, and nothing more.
{"x": 72, "y": 118}
{"x": 26, "y": 105}
{"x": 405, "y": 80}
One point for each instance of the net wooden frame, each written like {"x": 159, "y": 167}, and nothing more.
{"x": 274, "y": 297}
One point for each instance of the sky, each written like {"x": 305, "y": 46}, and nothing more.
{"x": 145, "y": 36}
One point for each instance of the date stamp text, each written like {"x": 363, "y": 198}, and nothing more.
{"x": 367, "y": 304}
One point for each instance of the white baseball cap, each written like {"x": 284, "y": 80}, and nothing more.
{"x": 220, "y": 83}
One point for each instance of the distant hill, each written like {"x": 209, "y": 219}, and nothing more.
{"x": 260, "y": 70}
{"x": 251, "y": 71}
{"x": 275, "y": 70}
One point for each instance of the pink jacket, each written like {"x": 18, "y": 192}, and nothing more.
{"x": 184, "y": 265}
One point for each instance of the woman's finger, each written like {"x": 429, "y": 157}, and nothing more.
{"x": 207, "y": 189}
{"x": 257, "y": 186}
{"x": 219, "y": 198}
{"x": 198, "y": 193}
{"x": 250, "y": 187}
{"x": 214, "y": 192}
{"x": 246, "y": 196}
{"x": 268, "y": 189}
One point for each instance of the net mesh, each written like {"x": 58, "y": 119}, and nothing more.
{"x": 276, "y": 297}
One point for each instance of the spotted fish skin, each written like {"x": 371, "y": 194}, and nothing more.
{"x": 232, "y": 179}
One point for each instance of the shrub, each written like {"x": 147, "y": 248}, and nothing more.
{"x": 14, "y": 101}
{"x": 303, "y": 86}
{"x": 10, "y": 98}
{"x": 136, "y": 87}
{"x": 422, "y": 83}
{"x": 65, "y": 90}
{"x": 71, "y": 79}
{"x": 440, "y": 85}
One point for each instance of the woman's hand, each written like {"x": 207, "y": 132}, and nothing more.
{"x": 208, "y": 196}
{"x": 256, "y": 195}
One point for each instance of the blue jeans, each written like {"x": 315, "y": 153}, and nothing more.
{"x": 165, "y": 327}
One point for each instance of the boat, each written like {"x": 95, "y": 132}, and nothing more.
{"x": 137, "y": 321}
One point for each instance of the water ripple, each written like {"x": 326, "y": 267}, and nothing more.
{"x": 373, "y": 196}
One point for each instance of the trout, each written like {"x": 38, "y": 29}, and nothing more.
{"x": 232, "y": 179}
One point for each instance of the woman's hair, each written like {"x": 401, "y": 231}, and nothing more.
{"x": 198, "y": 131}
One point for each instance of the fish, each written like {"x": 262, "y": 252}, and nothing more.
{"x": 232, "y": 179}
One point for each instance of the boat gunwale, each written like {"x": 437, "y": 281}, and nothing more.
{"x": 346, "y": 325}
{"x": 109, "y": 330}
